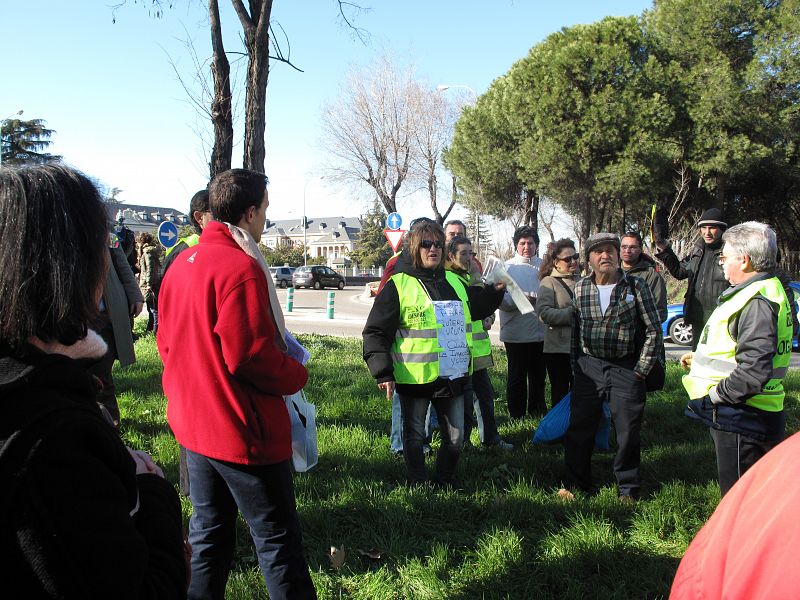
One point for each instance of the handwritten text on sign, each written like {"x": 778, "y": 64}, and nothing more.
{"x": 454, "y": 360}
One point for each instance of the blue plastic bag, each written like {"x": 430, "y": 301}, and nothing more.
{"x": 553, "y": 427}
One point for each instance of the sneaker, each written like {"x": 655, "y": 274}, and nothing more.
{"x": 503, "y": 445}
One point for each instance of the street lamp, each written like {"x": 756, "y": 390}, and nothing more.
{"x": 444, "y": 86}
{"x": 16, "y": 114}
{"x": 305, "y": 225}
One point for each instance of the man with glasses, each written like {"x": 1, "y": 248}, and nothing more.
{"x": 635, "y": 262}
{"x": 701, "y": 267}
{"x": 735, "y": 384}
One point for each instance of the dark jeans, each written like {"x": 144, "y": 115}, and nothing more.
{"x": 451, "y": 425}
{"x": 559, "y": 371}
{"x": 596, "y": 380}
{"x": 265, "y": 495}
{"x": 735, "y": 454}
{"x": 151, "y": 302}
{"x": 480, "y": 395}
{"x": 526, "y": 375}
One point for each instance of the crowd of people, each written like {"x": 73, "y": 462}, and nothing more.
{"x": 83, "y": 514}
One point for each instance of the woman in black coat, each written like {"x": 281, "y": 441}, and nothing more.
{"x": 81, "y": 515}
{"x": 416, "y": 339}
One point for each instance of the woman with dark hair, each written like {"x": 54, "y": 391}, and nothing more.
{"x": 560, "y": 271}
{"x": 82, "y": 515}
{"x": 417, "y": 339}
{"x": 150, "y": 277}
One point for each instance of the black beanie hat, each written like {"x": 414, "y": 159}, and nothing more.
{"x": 712, "y": 216}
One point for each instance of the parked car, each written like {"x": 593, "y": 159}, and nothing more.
{"x": 317, "y": 277}
{"x": 675, "y": 328}
{"x": 282, "y": 276}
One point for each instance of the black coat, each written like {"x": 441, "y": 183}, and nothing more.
{"x": 384, "y": 319}
{"x": 68, "y": 488}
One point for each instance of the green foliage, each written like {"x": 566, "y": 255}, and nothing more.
{"x": 372, "y": 249}
{"x": 283, "y": 255}
{"x": 24, "y": 141}
{"x": 503, "y": 535}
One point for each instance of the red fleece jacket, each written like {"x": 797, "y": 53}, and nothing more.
{"x": 224, "y": 375}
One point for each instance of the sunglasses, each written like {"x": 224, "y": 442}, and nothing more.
{"x": 573, "y": 258}
{"x": 428, "y": 244}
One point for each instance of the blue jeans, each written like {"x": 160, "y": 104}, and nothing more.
{"x": 396, "y": 436}
{"x": 265, "y": 495}
{"x": 480, "y": 394}
{"x": 451, "y": 426}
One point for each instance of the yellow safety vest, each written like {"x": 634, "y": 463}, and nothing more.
{"x": 190, "y": 241}
{"x": 415, "y": 350}
{"x": 715, "y": 357}
{"x": 481, "y": 344}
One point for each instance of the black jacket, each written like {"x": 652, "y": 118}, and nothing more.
{"x": 67, "y": 490}
{"x": 384, "y": 319}
{"x": 706, "y": 280}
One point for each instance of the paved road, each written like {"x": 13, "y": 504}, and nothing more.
{"x": 351, "y": 309}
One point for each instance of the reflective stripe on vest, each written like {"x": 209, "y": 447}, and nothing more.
{"x": 190, "y": 241}
{"x": 415, "y": 350}
{"x": 715, "y": 357}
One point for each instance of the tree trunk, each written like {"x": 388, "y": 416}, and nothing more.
{"x": 532, "y": 209}
{"x": 256, "y": 36}
{"x": 221, "y": 116}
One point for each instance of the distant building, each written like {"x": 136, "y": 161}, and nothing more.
{"x": 328, "y": 237}
{"x": 140, "y": 218}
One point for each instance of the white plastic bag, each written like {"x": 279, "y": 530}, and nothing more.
{"x": 303, "y": 418}
{"x": 495, "y": 272}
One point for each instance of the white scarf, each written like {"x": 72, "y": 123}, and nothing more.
{"x": 92, "y": 346}
{"x": 249, "y": 246}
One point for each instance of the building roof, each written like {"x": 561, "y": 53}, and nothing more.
{"x": 142, "y": 217}
{"x": 323, "y": 228}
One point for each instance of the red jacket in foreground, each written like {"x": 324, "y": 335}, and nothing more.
{"x": 748, "y": 549}
{"x": 224, "y": 375}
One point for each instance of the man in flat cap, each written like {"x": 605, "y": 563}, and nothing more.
{"x": 701, "y": 267}
{"x": 616, "y": 341}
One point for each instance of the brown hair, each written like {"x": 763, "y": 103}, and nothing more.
{"x": 416, "y": 234}
{"x": 554, "y": 249}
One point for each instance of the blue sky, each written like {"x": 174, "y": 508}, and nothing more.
{"x": 112, "y": 95}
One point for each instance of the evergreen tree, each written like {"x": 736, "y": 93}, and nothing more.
{"x": 23, "y": 142}
{"x": 372, "y": 249}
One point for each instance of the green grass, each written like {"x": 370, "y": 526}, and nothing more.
{"x": 504, "y": 535}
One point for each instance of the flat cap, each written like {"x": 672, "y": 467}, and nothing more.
{"x": 598, "y": 239}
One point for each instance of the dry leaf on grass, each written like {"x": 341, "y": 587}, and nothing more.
{"x": 337, "y": 556}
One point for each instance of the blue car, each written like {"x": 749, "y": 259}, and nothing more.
{"x": 675, "y": 328}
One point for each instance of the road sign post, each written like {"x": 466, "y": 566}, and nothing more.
{"x": 168, "y": 234}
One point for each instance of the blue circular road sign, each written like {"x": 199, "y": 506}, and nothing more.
{"x": 394, "y": 220}
{"x": 168, "y": 234}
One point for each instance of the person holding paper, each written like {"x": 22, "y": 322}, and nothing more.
{"x": 523, "y": 333}
{"x": 417, "y": 340}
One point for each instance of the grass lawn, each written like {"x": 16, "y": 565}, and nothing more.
{"x": 504, "y": 535}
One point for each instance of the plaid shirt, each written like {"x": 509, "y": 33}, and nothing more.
{"x": 612, "y": 335}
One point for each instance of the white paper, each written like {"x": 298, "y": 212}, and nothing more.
{"x": 296, "y": 350}
{"x": 495, "y": 272}
{"x": 454, "y": 359}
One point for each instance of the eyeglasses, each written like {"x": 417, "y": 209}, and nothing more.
{"x": 634, "y": 247}
{"x": 573, "y": 258}
{"x": 428, "y": 244}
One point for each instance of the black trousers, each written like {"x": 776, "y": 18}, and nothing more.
{"x": 735, "y": 454}
{"x": 596, "y": 380}
{"x": 526, "y": 375}
{"x": 559, "y": 372}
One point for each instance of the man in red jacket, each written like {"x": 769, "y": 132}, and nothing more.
{"x": 225, "y": 372}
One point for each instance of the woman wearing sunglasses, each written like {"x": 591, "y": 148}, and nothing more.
{"x": 559, "y": 271}
{"x": 417, "y": 339}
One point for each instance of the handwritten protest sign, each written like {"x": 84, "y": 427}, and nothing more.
{"x": 454, "y": 359}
